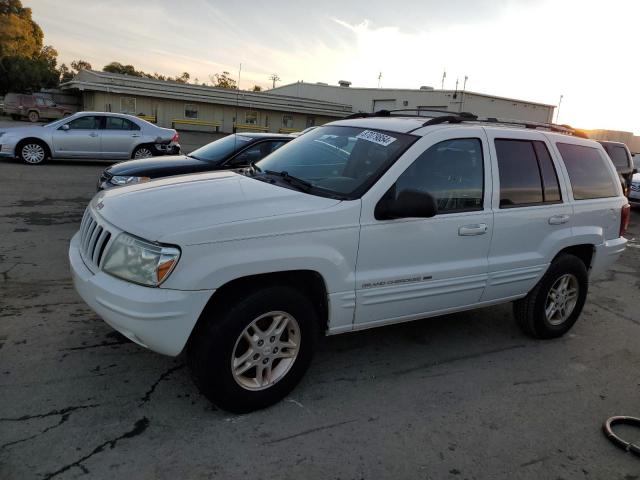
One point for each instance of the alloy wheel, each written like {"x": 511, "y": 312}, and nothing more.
{"x": 266, "y": 350}
{"x": 143, "y": 153}
{"x": 33, "y": 153}
{"x": 562, "y": 299}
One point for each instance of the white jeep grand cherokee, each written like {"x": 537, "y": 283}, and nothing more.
{"x": 359, "y": 223}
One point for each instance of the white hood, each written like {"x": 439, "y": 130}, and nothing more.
{"x": 195, "y": 203}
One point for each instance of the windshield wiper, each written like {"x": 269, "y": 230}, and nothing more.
{"x": 291, "y": 180}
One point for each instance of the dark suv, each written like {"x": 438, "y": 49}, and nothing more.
{"x": 623, "y": 161}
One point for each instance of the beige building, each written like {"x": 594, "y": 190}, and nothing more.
{"x": 196, "y": 108}
{"x": 374, "y": 99}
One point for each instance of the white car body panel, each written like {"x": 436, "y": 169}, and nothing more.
{"x": 229, "y": 226}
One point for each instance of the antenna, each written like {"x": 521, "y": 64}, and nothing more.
{"x": 558, "y": 111}
{"x": 379, "y": 78}
{"x": 274, "y": 78}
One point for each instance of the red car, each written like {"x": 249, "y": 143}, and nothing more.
{"x": 36, "y": 107}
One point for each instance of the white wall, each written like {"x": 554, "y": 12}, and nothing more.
{"x": 364, "y": 99}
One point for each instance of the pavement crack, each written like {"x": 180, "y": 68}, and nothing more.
{"x": 455, "y": 359}
{"x": 64, "y": 414}
{"x": 307, "y": 432}
{"x": 147, "y": 396}
{"x": 97, "y": 345}
{"x": 139, "y": 428}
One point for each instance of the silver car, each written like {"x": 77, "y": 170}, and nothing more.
{"x": 96, "y": 135}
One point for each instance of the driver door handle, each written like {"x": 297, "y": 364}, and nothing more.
{"x": 469, "y": 230}
{"x": 558, "y": 219}
{"x": 93, "y": 134}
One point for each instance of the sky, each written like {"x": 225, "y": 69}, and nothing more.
{"x": 588, "y": 51}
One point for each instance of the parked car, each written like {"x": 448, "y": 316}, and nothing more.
{"x": 634, "y": 191}
{"x": 233, "y": 151}
{"x": 622, "y": 160}
{"x": 356, "y": 224}
{"x": 35, "y": 107}
{"x": 95, "y": 135}
{"x": 636, "y": 161}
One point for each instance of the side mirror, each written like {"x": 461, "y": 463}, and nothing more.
{"x": 407, "y": 204}
{"x": 65, "y": 127}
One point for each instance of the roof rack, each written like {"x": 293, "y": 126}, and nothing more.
{"x": 459, "y": 117}
{"x": 389, "y": 113}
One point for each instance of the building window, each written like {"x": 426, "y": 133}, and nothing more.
{"x": 311, "y": 122}
{"x": 128, "y": 105}
{"x": 251, "y": 118}
{"x": 287, "y": 121}
{"x": 191, "y": 111}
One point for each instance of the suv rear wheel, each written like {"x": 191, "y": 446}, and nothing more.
{"x": 33, "y": 116}
{"x": 251, "y": 352}
{"x": 555, "y": 303}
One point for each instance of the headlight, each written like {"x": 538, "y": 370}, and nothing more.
{"x": 139, "y": 261}
{"x": 127, "y": 180}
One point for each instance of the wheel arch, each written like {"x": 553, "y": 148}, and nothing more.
{"x": 150, "y": 145}
{"x": 309, "y": 282}
{"x": 584, "y": 252}
{"x": 26, "y": 140}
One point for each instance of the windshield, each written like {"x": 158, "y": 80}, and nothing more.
{"x": 220, "y": 149}
{"x": 342, "y": 160}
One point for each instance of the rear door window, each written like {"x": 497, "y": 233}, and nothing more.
{"x": 119, "y": 123}
{"x": 588, "y": 172}
{"x": 618, "y": 156}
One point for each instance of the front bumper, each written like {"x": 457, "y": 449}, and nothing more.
{"x": 606, "y": 255}
{"x": 160, "y": 319}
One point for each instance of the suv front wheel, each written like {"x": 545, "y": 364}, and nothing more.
{"x": 252, "y": 351}
{"x": 555, "y": 303}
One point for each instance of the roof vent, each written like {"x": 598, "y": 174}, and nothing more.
{"x": 424, "y": 87}
{"x": 344, "y": 83}
{"x": 322, "y": 83}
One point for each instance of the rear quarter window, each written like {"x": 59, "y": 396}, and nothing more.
{"x": 618, "y": 156}
{"x": 589, "y": 173}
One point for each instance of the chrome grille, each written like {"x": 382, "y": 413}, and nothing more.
{"x": 94, "y": 239}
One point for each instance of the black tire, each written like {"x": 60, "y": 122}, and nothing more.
{"x": 141, "y": 148}
{"x": 530, "y": 311}
{"x": 212, "y": 345}
{"x": 33, "y": 116}
{"x": 26, "y": 150}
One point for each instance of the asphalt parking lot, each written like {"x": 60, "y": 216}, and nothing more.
{"x": 465, "y": 396}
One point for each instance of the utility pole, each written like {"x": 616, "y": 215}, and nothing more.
{"x": 274, "y": 78}
{"x": 464, "y": 85}
{"x": 558, "y": 111}
{"x": 444, "y": 76}
{"x": 379, "y": 78}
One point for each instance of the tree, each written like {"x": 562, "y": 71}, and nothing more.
{"x": 20, "y": 36}
{"x": 184, "y": 78}
{"x": 117, "y": 67}
{"x": 257, "y": 88}
{"x": 67, "y": 74}
{"x": 223, "y": 80}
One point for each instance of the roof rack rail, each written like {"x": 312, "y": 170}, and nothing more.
{"x": 422, "y": 112}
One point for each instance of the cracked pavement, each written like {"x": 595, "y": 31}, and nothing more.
{"x": 465, "y": 396}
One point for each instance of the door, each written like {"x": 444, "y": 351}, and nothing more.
{"x": 118, "y": 137}
{"x": 79, "y": 137}
{"x": 414, "y": 267}
{"x": 532, "y": 217}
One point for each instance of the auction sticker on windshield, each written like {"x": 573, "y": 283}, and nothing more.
{"x": 376, "y": 137}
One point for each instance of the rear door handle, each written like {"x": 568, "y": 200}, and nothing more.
{"x": 93, "y": 134}
{"x": 135, "y": 134}
{"x": 558, "y": 219}
{"x": 477, "y": 229}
